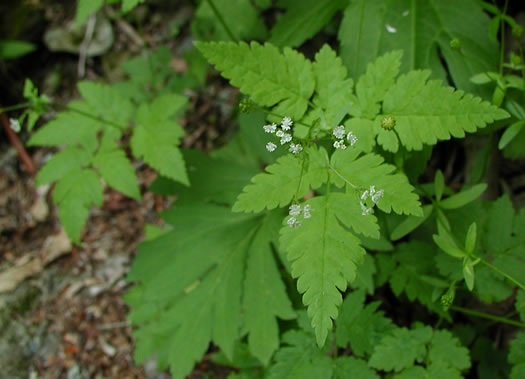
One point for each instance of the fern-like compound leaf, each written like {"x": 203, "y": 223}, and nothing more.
{"x": 362, "y": 171}
{"x": 75, "y": 194}
{"x": 445, "y": 349}
{"x": 350, "y": 367}
{"x": 401, "y": 349}
{"x": 290, "y": 177}
{"x": 324, "y": 258}
{"x": 333, "y": 89}
{"x": 61, "y": 163}
{"x": 426, "y": 112}
{"x": 194, "y": 282}
{"x": 264, "y": 73}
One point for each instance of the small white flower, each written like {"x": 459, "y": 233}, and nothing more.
{"x": 364, "y": 196}
{"x": 295, "y": 148}
{"x": 294, "y": 210}
{"x": 15, "y": 125}
{"x": 286, "y": 138}
{"x": 352, "y": 138}
{"x": 372, "y": 190}
{"x": 339, "y": 145}
{"x": 271, "y": 146}
{"x": 293, "y": 222}
{"x": 306, "y": 211}
{"x": 339, "y": 132}
{"x": 365, "y": 211}
{"x": 378, "y": 195}
{"x": 279, "y": 133}
{"x": 286, "y": 123}
{"x": 270, "y": 128}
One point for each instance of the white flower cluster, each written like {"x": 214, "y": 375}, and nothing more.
{"x": 339, "y": 133}
{"x": 374, "y": 196}
{"x": 15, "y": 125}
{"x": 295, "y": 212}
{"x": 286, "y": 125}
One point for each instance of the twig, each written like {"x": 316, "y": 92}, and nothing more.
{"x": 15, "y": 141}
{"x": 88, "y": 37}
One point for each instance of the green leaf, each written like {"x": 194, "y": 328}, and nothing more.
{"x": 117, "y": 171}
{"x": 447, "y": 350}
{"x": 303, "y": 20}
{"x": 372, "y": 86}
{"x": 426, "y": 112}
{"x": 371, "y": 28}
{"x": 468, "y": 273}
{"x": 517, "y": 355}
{"x": 324, "y": 258}
{"x": 265, "y": 297}
{"x": 240, "y": 15}
{"x": 85, "y": 8}
{"x": 262, "y": 72}
{"x": 61, "y": 163}
{"x": 75, "y": 193}
{"x": 192, "y": 282}
{"x": 439, "y": 184}
{"x": 447, "y": 244}
{"x": 410, "y": 223}
{"x": 464, "y": 197}
{"x": 68, "y": 128}
{"x": 508, "y": 135}
{"x": 301, "y": 359}
{"x": 333, "y": 89}
{"x": 363, "y": 171}
{"x": 156, "y": 137}
{"x": 128, "y": 5}
{"x": 520, "y": 303}
{"x": 290, "y": 177}
{"x": 401, "y": 349}
{"x": 470, "y": 239}
{"x": 11, "y": 49}
{"x": 350, "y": 367}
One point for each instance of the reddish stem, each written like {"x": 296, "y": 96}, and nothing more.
{"x": 15, "y": 141}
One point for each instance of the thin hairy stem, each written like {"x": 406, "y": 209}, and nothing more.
{"x": 15, "y": 107}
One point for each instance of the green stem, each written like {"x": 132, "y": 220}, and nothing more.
{"x": 88, "y": 115}
{"x": 221, "y": 20}
{"x": 413, "y": 22}
{"x": 507, "y": 276}
{"x": 15, "y": 107}
{"x": 487, "y": 316}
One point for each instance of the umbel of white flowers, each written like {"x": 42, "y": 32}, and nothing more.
{"x": 295, "y": 212}
{"x": 286, "y": 125}
{"x": 339, "y": 133}
{"x": 373, "y": 195}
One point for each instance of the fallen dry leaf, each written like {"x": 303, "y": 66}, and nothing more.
{"x": 54, "y": 246}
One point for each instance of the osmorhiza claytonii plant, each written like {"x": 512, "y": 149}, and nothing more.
{"x": 338, "y": 186}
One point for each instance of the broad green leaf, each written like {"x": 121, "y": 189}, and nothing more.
{"x": 426, "y": 112}
{"x": 401, "y": 349}
{"x": 363, "y": 171}
{"x": 267, "y": 75}
{"x": 365, "y": 132}
{"x": 290, "y": 177}
{"x": 303, "y": 20}
{"x": 75, "y": 194}
{"x": 350, "y": 367}
{"x": 470, "y": 239}
{"x": 301, "y": 359}
{"x": 497, "y": 236}
{"x": 447, "y": 245}
{"x": 333, "y": 89}
{"x": 128, "y": 5}
{"x": 424, "y": 30}
{"x": 106, "y": 102}
{"x": 468, "y": 273}
{"x": 85, "y": 8}
{"x": 410, "y": 223}
{"x": 240, "y": 15}
{"x": 464, "y": 197}
{"x": 192, "y": 282}
{"x": 520, "y": 303}
{"x": 117, "y": 171}
{"x": 68, "y": 128}
{"x": 509, "y": 134}
{"x": 439, "y": 184}
{"x": 11, "y": 49}
{"x": 517, "y": 355}
{"x": 61, "y": 163}
{"x": 157, "y": 136}
{"x": 264, "y": 297}
{"x": 324, "y": 258}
